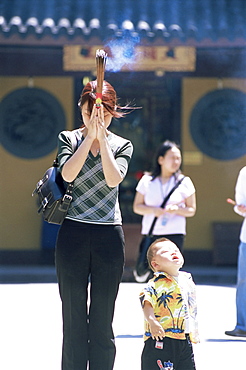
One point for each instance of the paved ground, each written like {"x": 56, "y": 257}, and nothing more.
{"x": 217, "y": 275}
{"x": 30, "y": 328}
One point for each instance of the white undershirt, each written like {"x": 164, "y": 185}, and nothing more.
{"x": 184, "y": 293}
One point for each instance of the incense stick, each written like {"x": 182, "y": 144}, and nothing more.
{"x": 230, "y": 201}
{"x": 101, "y": 57}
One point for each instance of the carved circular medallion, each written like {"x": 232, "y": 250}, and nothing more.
{"x": 218, "y": 124}
{"x": 30, "y": 120}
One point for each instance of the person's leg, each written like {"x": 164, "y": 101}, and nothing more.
{"x": 158, "y": 354}
{"x": 150, "y": 355}
{"x": 241, "y": 288}
{"x": 185, "y": 355}
{"x": 72, "y": 264}
{"x": 106, "y": 272}
{"x": 177, "y": 354}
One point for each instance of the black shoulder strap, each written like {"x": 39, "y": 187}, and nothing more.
{"x": 164, "y": 203}
{"x": 171, "y": 191}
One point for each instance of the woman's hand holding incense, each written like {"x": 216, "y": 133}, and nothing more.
{"x": 96, "y": 129}
{"x": 101, "y": 127}
{"x": 92, "y": 125}
{"x": 241, "y": 208}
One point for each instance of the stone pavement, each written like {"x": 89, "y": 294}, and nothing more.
{"x": 222, "y": 275}
{"x": 31, "y": 328}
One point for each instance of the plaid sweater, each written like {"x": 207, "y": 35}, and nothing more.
{"x": 93, "y": 200}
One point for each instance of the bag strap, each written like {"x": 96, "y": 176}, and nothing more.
{"x": 164, "y": 203}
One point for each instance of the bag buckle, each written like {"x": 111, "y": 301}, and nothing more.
{"x": 67, "y": 198}
{"x": 44, "y": 202}
{"x": 43, "y": 205}
{"x": 38, "y": 186}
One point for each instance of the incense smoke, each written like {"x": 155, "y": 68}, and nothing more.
{"x": 121, "y": 53}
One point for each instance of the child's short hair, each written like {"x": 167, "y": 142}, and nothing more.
{"x": 152, "y": 250}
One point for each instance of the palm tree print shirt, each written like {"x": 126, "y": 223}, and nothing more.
{"x": 174, "y": 302}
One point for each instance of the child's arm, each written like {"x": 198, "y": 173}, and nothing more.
{"x": 156, "y": 330}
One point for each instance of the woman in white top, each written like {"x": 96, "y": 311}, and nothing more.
{"x": 153, "y": 188}
{"x": 240, "y": 208}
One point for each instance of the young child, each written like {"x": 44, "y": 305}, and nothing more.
{"x": 169, "y": 306}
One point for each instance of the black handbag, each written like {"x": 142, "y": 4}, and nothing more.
{"x": 53, "y": 194}
{"x": 142, "y": 271}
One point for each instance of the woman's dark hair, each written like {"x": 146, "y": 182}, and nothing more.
{"x": 161, "y": 152}
{"x": 109, "y": 98}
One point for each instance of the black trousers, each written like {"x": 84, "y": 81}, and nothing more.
{"x": 88, "y": 253}
{"x": 175, "y": 351}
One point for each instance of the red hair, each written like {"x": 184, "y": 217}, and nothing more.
{"x": 109, "y": 98}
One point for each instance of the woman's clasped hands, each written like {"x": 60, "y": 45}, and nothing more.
{"x": 97, "y": 127}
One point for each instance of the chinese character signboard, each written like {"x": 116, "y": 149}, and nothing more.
{"x": 124, "y": 59}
